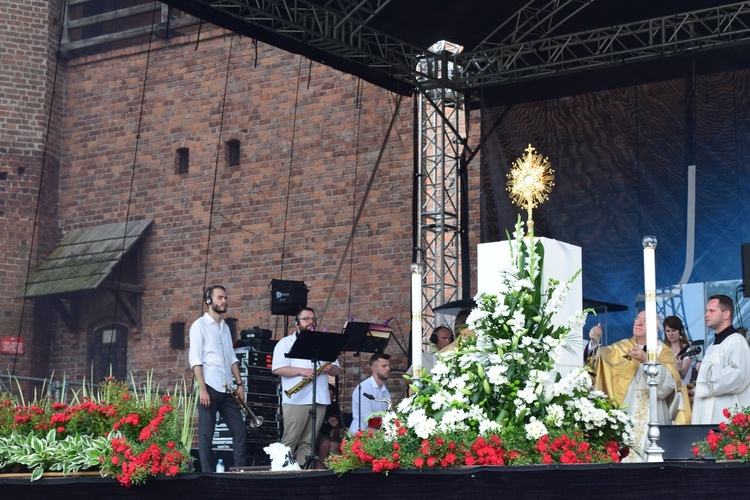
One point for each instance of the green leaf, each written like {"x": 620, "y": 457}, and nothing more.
{"x": 37, "y": 473}
{"x": 37, "y": 444}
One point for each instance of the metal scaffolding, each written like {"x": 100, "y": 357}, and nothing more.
{"x": 531, "y": 43}
{"x": 439, "y": 118}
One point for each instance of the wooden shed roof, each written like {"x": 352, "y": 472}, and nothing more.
{"x": 84, "y": 258}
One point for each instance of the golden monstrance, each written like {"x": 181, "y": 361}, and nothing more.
{"x": 529, "y": 182}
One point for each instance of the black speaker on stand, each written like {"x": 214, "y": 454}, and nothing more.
{"x": 288, "y": 297}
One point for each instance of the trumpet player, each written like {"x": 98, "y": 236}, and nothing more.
{"x": 297, "y": 405}
{"x": 214, "y": 364}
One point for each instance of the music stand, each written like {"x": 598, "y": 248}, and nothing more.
{"x": 316, "y": 346}
{"x": 365, "y": 337}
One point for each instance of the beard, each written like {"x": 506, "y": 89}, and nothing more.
{"x": 219, "y": 309}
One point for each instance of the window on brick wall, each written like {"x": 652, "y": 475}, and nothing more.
{"x": 233, "y": 152}
{"x": 183, "y": 160}
{"x": 94, "y": 26}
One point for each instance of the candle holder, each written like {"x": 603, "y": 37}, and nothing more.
{"x": 654, "y": 453}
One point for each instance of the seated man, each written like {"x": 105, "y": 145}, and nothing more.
{"x": 362, "y": 406}
{"x": 618, "y": 372}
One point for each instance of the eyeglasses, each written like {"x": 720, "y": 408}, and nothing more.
{"x": 313, "y": 319}
{"x": 639, "y": 321}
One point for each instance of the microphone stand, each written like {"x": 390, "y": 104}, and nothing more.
{"x": 313, "y": 456}
{"x": 316, "y": 346}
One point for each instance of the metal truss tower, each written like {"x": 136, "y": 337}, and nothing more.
{"x": 439, "y": 118}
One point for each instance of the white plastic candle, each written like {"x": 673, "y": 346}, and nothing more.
{"x": 649, "y": 278}
{"x": 416, "y": 319}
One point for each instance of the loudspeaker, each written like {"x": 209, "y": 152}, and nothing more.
{"x": 177, "y": 335}
{"x": 288, "y": 297}
{"x": 745, "y": 249}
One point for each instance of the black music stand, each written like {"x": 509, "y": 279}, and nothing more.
{"x": 316, "y": 347}
{"x": 364, "y": 337}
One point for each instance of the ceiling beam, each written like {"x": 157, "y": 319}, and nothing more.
{"x": 337, "y": 33}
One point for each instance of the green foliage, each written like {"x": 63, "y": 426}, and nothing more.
{"x": 128, "y": 436}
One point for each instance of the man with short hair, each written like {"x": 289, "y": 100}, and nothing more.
{"x": 724, "y": 374}
{"x": 296, "y": 408}
{"x": 216, "y": 367}
{"x": 362, "y": 406}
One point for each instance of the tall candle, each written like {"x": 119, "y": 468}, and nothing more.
{"x": 416, "y": 319}
{"x": 649, "y": 278}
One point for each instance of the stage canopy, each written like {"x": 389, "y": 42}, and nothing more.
{"x": 511, "y": 48}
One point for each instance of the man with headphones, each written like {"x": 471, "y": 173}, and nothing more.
{"x": 214, "y": 364}
{"x": 297, "y": 407}
{"x": 441, "y": 337}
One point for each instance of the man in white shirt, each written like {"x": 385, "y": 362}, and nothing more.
{"x": 297, "y": 407}
{"x": 215, "y": 365}
{"x": 362, "y": 406}
{"x": 724, "y": 374}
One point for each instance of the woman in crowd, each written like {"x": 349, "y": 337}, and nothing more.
{"x": 677, "y": 340}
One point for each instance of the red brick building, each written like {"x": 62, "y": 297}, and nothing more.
{"x": 277, "y": 153}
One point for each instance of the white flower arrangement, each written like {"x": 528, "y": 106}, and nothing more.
{"x": 503, "y": 377}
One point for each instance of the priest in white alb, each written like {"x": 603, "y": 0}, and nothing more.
{"x": 724, "y": 374}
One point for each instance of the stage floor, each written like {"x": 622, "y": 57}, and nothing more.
{"x": 672, "y": 479}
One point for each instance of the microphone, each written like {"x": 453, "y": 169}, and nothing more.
{"x": 368, "y": 396}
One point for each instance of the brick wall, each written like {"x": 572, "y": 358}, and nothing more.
{"x": 310, "y": 138}
{"x": 29, "y": 152}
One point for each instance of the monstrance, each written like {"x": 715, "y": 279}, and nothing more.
{"x": 530, "y": 181}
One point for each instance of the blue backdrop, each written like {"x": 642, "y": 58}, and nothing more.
{"x": 621, "y": 172}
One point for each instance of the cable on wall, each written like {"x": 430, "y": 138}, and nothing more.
{"x": 41, "y": 183}
{"x": 216, "y": 165}
{"x": 132, "y": 181}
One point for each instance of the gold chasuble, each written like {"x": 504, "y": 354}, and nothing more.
{"x": 613, "y": 371}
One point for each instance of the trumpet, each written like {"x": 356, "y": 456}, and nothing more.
{"x": 306, "y": 380}
{"x": 253, "y": 420}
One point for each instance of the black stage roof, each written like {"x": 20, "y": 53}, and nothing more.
{"x": 514, "y": 50}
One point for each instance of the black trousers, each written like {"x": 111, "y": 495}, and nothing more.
{"x": 230, "y": 412}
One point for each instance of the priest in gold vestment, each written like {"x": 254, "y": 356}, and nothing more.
{"x": 617, "y": 370}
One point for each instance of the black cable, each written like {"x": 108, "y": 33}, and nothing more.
{"x": 111, "y": 345}
{"x": 358, "y": 105}
{"x": 289, "y": 181}
{"x": 291, "y": 164}
{"x": 39, "y": 196}
{"x": 216, "y": 165}
{"x": 737, "y": 308}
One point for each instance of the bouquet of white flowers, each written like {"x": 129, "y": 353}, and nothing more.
{"x": 501, "y": 381}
